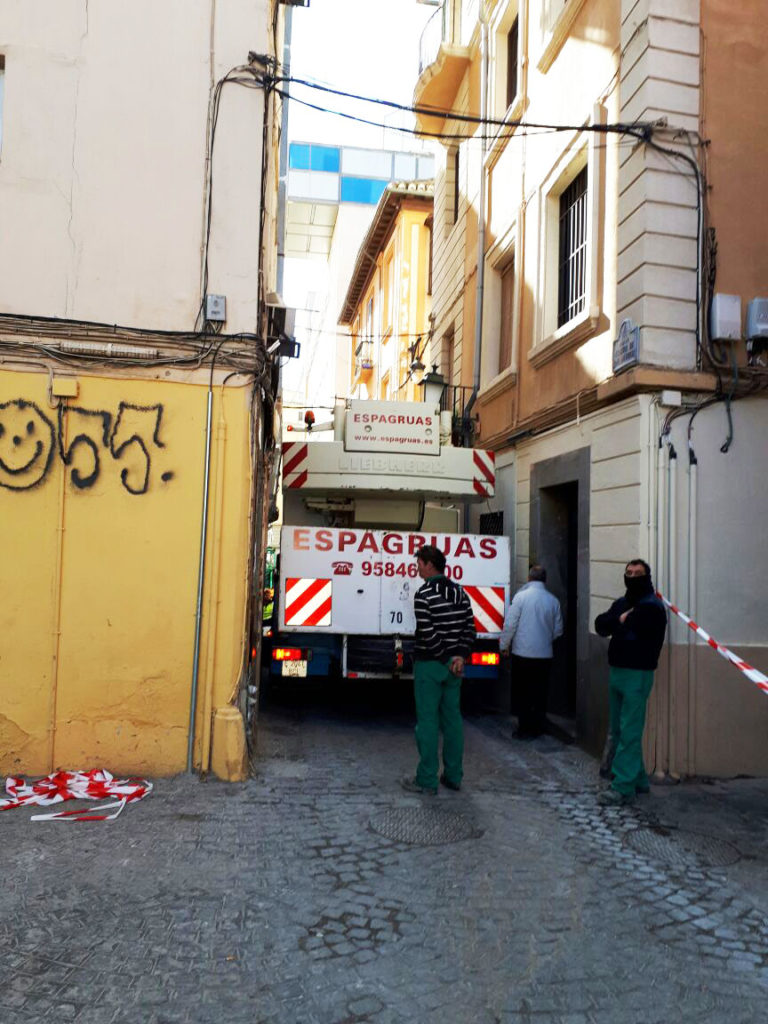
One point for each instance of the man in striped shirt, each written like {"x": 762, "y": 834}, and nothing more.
{"x": 445, "y": 633}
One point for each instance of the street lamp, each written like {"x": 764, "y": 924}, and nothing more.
{"x": 434, "y": 386}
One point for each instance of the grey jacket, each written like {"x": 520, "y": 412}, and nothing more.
{"x": 533, "y": 621}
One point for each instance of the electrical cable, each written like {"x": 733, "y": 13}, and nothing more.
{"x": 520, "y": 128}
{"x": 453, "y": 115}
{"x": 243, "y": 75}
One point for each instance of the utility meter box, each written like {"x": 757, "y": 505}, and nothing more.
{"x": 216, "y": 308}
{"x": 757, "y": 319}
{"x": 725, "y": 318}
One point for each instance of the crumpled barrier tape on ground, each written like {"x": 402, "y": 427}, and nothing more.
{"x": 757, "y": 677}
{"x": 59, "y": 786}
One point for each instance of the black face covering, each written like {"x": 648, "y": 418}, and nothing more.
{"x": 637, "y": 587}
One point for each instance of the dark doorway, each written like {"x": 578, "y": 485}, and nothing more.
{"x": 558, "y": 553}
{"x": 560, "y": 491}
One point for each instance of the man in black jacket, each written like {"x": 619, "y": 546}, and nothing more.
{"x": 636, "y": 624}
{"x": 445, "y": 633}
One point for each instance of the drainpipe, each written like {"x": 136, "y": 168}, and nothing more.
{"x": 480, "y": 223}
{"x": 693, "y": 470}
{"x": 282, "y": 186}
{"x": 57, "y": 597}
{"x": 200, "y": 582}
{"x": 213, "y": 588}
{"x": 673, "y": 596}
{"x": 659, "y": 772}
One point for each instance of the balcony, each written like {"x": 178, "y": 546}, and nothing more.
{"x": 442, "y": 66}
{"x": 363, "y": 360}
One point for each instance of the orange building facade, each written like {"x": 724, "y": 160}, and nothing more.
{"x": 388, "y": 302}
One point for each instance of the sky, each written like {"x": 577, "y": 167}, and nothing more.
{"x": 370, "y": 47}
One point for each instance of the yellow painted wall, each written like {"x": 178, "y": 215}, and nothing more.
{"x": 99, "y": 564}
{"x": 408, "y": 246}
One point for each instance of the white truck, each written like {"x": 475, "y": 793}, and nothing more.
{"x": 355, "y": 511}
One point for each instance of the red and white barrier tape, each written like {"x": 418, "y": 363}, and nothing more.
{"x": 751, "y": 673}
{"x": 94, "y": 785}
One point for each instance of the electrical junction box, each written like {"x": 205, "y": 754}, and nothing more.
{"x": 64, "y": 387}
{"x": 671, "y": 399}
{"x": 757, "y": 319}
{"x": 725, "y": 317}
{"x": 216, "y": 308}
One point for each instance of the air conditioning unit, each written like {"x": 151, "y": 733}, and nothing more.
{"x": 757, "y": 331}
{"x": 757, "y": 319}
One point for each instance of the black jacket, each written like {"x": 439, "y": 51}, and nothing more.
{"x": 636, "y": 642}
{"x": 445, "y": 624}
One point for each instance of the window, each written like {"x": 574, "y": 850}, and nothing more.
{"x": 555, "y": 24}
{"x": 362, "y": 190}
{"x": 448, "y": 354}
{"x": 572, "y": 246}
{"x": 298, "y": 156}
{"x": 572, "y": 258}
{"x": 507, "y": 315}
{"x": 405, "y": 167}
{"x": 367, "y": 163}
{"x": 512, "y": 61}
{"x": 456, "y": 184}
{"x": 324, "y": 158}
{"x": 384, "y": 387}
{"x": 426, "y": 167}
{"x": 492, "y": 523}
{"x": 501, "y": 314}
{"x": 389, "y": 294}
{"x": 428, "y": 224}
{"x": 303, "y": 157}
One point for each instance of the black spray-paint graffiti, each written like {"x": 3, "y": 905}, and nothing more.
{"x": 26, "y": 445}
{"x": 28, "y": 441}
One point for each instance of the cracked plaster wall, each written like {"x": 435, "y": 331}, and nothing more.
{"x": 103, "y": 159}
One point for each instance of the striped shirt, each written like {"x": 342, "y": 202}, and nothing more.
{"x": 445, "y": 625}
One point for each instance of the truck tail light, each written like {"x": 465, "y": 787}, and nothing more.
{"x": 484, "y": 658}
{"x": 287, "y": 654}
{"x": 399, "y": 659}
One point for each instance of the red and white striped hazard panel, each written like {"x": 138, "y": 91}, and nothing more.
{"x": 484, "y": 480}
{"x": 308, "y": 602}
{"x": 488, "y": 608}
{"x": 295, "y": 455}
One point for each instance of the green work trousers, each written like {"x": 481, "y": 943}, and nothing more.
{"x": 629, "y": 691}
{"x": 438, "y": 709}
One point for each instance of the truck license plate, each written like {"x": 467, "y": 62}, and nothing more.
{"x": 294, "y": 668}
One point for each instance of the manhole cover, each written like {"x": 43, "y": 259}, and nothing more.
{"x": 422, "y": 826}
{"x": 682, "y": 848}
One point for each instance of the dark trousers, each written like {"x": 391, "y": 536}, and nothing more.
{"x": 530, "y": 681}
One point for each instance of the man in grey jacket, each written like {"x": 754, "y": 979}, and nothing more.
{"x": 533, "y": 622}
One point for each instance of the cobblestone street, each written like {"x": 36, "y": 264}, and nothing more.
{"x": 319, "y": 892}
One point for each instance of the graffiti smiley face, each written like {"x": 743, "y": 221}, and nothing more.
{"x": 26, "y": 445}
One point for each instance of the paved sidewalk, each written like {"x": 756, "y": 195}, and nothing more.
{"x": 319, "y": 892}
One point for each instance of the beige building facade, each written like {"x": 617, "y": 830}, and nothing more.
{"x": 580, "y": 237}
{"x": 138, "y": 176}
